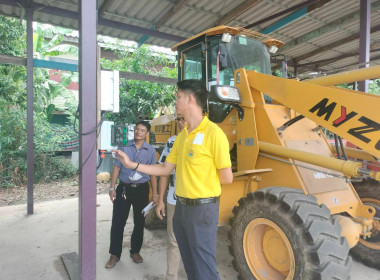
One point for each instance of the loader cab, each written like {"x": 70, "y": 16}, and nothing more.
{"x": 213, "y": 56}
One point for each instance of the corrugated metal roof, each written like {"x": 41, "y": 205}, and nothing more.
{"x": 314, "y": 30}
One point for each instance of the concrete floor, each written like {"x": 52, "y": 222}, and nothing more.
{"x": 31, "y": 246}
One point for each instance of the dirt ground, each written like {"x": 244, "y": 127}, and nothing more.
{"x": 66, "y": 231}
{"x": 44, "y": 192}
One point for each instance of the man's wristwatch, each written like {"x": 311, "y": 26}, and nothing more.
{"x": 111, "y": 189}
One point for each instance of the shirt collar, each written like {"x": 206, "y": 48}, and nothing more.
{"x": 144, "y": 145}
{"x": 200, "y": 127}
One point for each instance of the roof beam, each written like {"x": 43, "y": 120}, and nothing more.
{"x": 353, "y": 64}
{"x": 177, "y": 6}
{"x": 245, "y": 6}
{"x": 14, "y": 3}
{"x": 148, "y": 78}
{"x": 101, "y": 21}
{"x": 106, "y": 4}
{"x": 372, "y": 60}
{"x": 294, "y": 16}
{"x": 333, "y": 45}
{"x": 143, "y": 39}
{"x": 140, "y": 30}
{"x": 7, "y": 59}
{"x": 16, "y": 60}
{"x": 291, "y": 9}
{"x": 327, "y": 61}
{"x": 326, "y": 28}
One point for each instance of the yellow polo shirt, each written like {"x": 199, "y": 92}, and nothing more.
{"x": 197, "y": 157}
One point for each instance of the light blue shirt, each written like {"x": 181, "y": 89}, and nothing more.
{"x": 146, "y": 155}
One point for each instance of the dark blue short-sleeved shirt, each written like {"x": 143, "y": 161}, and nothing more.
{"x": 146, "y": 155}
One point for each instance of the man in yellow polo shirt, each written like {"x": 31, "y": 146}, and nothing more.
{"x": 201, "y": 157}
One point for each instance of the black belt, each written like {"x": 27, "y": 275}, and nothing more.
{"x": 171, "y": 180}
{"x": 134, "y": 185}
{"x": 196, "y": 202}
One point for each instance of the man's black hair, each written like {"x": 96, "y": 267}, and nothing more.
{"x": 144, "y": 123}
{"x": 197, "y": 88}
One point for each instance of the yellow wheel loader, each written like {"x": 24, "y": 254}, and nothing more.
{"x": 293, "y": 211}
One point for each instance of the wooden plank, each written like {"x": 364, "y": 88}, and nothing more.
{"x": 8, "y": 59}
{"x": 71, "y": 262}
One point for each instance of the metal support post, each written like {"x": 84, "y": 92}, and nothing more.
{"x": 29, "y": 109}
{"x": 87, "y": 142}
{"x": 365, "y": 26}
{"x": 284, "y": 66}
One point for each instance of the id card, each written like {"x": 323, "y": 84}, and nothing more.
{"x": 198, "y": 139}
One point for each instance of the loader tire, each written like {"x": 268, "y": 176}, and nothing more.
{"x": 368, "y": 251}
{"x": 281, "y": 233}
{"x": 153, "y": 222}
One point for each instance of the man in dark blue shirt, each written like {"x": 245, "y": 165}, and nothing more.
{"x": 132, "y": 190}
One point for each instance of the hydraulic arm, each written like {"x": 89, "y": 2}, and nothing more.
{"x": 349, "y": 114}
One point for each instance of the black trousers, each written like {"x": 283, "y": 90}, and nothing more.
{"x": 125, "y": 197}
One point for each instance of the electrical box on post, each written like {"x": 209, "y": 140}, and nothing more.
{"x": 114, "y": 136}
{"x": 119, "y": 135}
{"x": 106, "y": 136}
{"x": 109, "y": 91}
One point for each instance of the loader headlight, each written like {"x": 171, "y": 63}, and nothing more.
{"x": 226, "y": 93}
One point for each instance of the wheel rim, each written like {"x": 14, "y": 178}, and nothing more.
{"x": 374, "y": 241}
{"x": 268, "y": 251}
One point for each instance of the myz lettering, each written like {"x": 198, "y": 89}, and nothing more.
{"x": 343, "y": 117}
{"x": 325, "y": 110}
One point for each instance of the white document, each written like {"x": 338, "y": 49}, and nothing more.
{"x": 148, "y": 208}
{"x": 198, "y": 139}
{"x": 137, "y": 176}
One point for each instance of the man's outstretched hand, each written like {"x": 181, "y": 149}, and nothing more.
{"x": 124, "y": 159}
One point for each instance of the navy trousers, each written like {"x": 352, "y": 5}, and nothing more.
{"x": 138, "y": 198}
{"x": 195, "y": 229}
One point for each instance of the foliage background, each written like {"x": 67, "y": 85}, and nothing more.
{"x": 138, "y": 99}
{"x": 47, "y": 137}
{"x": 142, "y": 100}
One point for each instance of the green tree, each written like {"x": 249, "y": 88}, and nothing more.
{"x": 374, "y": 87}
{"x": 12, "y": 33}
{"x": 141, "y": 99}
{"x": 48, "y": 41}
{"x": 13, "y": 112}
{"x": 12, "y": 104}
{"x": 12, "y": 77}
